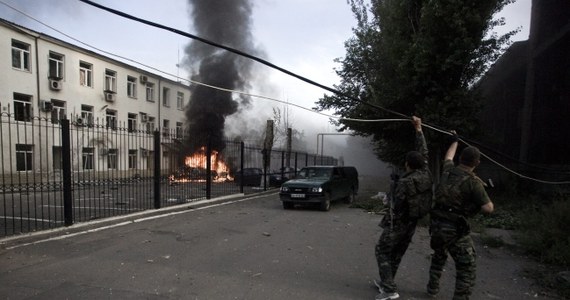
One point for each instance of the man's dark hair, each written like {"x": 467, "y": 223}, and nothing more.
{"x": 470, "y": 156}
{"x": 415, "y": 160}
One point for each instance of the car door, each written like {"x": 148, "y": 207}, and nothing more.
{"x": 338, "y": 184}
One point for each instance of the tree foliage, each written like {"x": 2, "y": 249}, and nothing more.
{"x": 415, "y": 57}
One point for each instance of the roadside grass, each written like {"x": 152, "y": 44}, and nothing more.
{"x": 370, "y": 186}
{"x": 540, "y": 223}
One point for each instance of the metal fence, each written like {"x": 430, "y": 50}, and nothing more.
{"x": 57, "y": 172}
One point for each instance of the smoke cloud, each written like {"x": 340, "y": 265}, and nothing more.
{"x": 226, "y": 22}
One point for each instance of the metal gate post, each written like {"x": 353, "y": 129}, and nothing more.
{"x": 157, "y": 169}
{"x": 242, "y": 155}
{"x": 66, "y": 172}
{"x": 209, "y": 168}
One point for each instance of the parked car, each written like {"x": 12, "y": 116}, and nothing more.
{"x": 251, "y": 177}
{"x": 320, "y": 185}
{"x": 278, "y": 177}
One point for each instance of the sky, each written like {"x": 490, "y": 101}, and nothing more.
{"x": 302, "y": 36}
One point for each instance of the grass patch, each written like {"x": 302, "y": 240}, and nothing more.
{"x": 544, "y": 234}
{"x": 370, "y": 186}
{"x": 541, "y": 221}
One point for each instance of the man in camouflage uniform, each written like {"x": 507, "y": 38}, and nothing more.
{"x": 399, "y": 226}
{"x": 459, "y": 196}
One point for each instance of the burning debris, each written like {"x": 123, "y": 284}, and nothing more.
{"x": 196, "y": 165}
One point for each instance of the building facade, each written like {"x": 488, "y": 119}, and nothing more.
{"x": 45, "y": 80}
{"x": 527, "y": 96}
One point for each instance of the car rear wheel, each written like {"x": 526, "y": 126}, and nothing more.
{"x": 351, "y": 197}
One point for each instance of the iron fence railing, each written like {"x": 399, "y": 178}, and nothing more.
{"x": 57, "y": 172}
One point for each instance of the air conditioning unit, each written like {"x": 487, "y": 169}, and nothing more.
{"x": 103, "y": 151}
{"x": 144, "y": 79}
{"x": 110, "y": 97}
{"x": 55, "y": 84}
{"x": 144, "y": 118}
{"x": 46, "y": 105}
{"x": 79, "y": 122}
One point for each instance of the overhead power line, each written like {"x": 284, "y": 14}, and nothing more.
{"x": 241, "y": 53}
{"x": 406, "y": 118}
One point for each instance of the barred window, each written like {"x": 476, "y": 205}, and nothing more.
{"x": 24, "y": 157}
{"x": 133, "y": 158}
{"x": 22, "y": 107}
{"x": 87, "y": 157}
{"x": 112, "y": 159}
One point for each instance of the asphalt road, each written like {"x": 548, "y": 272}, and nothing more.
{"x": 238, "y": 249}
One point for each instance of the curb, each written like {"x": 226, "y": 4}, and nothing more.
{"x": 102, "y": 224}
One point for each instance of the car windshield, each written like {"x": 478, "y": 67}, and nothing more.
{"x": 308, "y": 173}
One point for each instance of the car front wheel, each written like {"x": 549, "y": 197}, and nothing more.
{"x": 326, "y": 203}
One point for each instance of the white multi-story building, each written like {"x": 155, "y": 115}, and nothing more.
{"x": 44, "y": 78}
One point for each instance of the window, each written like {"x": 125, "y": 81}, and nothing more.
{"x": 110, "y": 81}
{"x": 180, "y": 100}
{"x": 57, "y": 158}
{"x": 166, "y": 97}
{"x": 149, "y": 91}
{"x": 24, "y": 154}
{"x": 131, "y": 86}
{"x": 55, "y": 65}
{"x": 165, "y": 127}
{"x": 150, "y": 125}
{"x": 58, "y": 111}
{"x": 111, "y": 119}
{"x": 179, "y": 129}
{"x": 21, "y": 56}
{"x": 112, "y": 159}
{"x": 87, "y": 114}
{"x": 85, "y": 74}
{"x": 132, "y": 122}
{"x": 87, "y": 157}
{"x": 133, "y": 158}
{"x": 22, "y": 107}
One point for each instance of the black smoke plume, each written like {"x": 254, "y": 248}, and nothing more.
{"x": 226, "y": 22}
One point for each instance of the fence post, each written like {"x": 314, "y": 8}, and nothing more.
{"x": 209, "y": 168}
{"x": 283, "y": 164}
{"x": 296, "y": 163}
{"x": 157, "y": 169}
{"x": 242, "y": 155}
{"x": 66, "y": 172}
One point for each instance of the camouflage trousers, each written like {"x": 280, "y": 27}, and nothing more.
{"x": 390, "y": 249}
{"x": 445, "y": 239}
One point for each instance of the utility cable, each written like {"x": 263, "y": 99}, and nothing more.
{"x": 241, "y": 53}
{"x": 406, "y": 118}
{"x": 194, "y": 81}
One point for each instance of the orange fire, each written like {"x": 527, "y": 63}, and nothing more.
{"x": 196, "y": 166}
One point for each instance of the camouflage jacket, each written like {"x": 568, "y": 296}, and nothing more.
{"x": 463, "y": 196}
{"x": 411, "y": 184}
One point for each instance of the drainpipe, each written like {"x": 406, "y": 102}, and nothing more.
{"x": 37, "y": 73}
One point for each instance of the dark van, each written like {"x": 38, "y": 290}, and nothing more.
{"x": 320, "y": 185}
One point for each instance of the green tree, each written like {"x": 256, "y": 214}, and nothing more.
{"x": 415, "y": 57}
